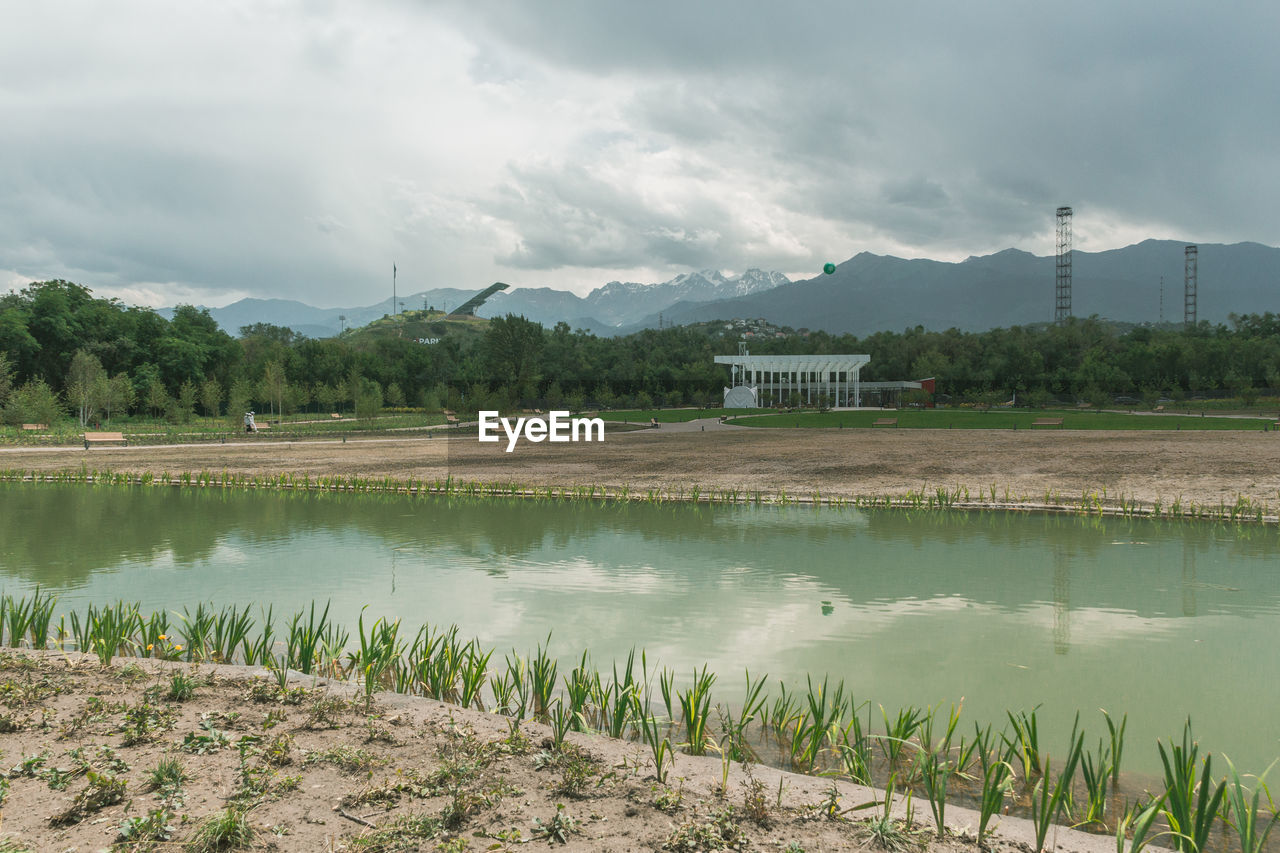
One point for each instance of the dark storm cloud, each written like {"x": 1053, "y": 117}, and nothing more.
{"x": 1154, "y": 113}
{"x": 296, "y": 149}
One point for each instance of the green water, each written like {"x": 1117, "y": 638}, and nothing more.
{"x": 1005, "y": 611}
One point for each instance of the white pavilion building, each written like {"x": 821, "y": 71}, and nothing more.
{"x": 771, "y": 380}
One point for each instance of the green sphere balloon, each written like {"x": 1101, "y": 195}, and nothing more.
{"x": 828, "y": 268}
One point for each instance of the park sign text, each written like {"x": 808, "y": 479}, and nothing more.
{"x": 557, "y": 427}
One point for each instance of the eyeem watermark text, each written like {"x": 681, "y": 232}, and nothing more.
{"x": 557, "y": 427}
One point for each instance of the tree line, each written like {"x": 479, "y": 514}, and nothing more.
{"x": 63, "y": 350}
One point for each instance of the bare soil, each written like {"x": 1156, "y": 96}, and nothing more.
{"x": 313, "y": 767}
{"x": 1205, "y": 467}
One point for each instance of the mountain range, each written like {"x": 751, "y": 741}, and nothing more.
{"x": 865, "y": 294}
{"x": 603, "y": 310}
{"x": 870, "y": 293}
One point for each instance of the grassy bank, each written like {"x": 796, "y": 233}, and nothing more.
{"x": 149, "y": 431}
{"x": 925, "y": 754}
{"x": 959, "y": 498}
{"x": 1007, "y": 419}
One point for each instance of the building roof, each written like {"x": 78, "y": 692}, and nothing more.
{"x": 796, "y": 362}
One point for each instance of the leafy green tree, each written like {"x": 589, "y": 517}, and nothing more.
{"x": 325, "y": 396}
{"x": 1037, "y": 399}
{"x": 211, "y": 397}
{"x": 432, "y": 398}
{"x": 157, "y": 399}
{"x": 119, "y": 396}
{"x": 188, "y": 392}
{"x": 33, "y": 402}
{"x": 352, "y": 386}
{"x": 86, "y": 385}
{"x": 368, "y": 399}
{"x": 239, "y": 400}
{"x": 297, "y": 396}
{"x": 6, "y": 378}
{"x": 272, "y": 385}
{"x": 1097, "y": 397}
{"x": 394, "y": 397}
{"x": 511, "y": 347}
{"x": 282, "y": 335}
{"x": 554, "y": 395}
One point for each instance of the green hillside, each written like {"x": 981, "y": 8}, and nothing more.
{"x": 424, "y": 326}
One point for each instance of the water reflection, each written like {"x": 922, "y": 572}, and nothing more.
{"x": 1008, "y": 611}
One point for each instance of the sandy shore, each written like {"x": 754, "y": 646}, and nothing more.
{"x": 1205, "y": 467}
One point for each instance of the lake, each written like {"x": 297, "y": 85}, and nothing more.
{"x": 1004, "y": 611}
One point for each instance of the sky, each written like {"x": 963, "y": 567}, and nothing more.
{"x": 201, "y": 152}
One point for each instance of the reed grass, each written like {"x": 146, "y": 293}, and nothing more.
{"x": 855, "y": 748}
{"x": 734, "y": 744}
{"x": 1095, "y": 768}
{"x": 654, "y": 736}
{"x": 1190, "y": 808}
{"x": 615, "y": 700}
{"x": 821, "y": 730}
{"x": 577, "y": 690}
{"x": 1117, "y": 743}
{"x": 1240, "y": 512}
{"x": 996, "y": 778}
{"x": 1049, "y": 801}
{"x": 818, "y": 724}
{"x": 1245, "y": 814}
{"x": 899, "y": 731}
{"x": 695, "y": 706}
{"x": 542, "y": 679}
{"x": 1136, "y": 826}
{"x": 1024, "y": 742}
{"x": 378, "y": 654}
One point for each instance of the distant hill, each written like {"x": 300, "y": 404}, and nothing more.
{"x": 601, "y": 311}
{"x": 867, "y": 293}
{"x": 425, "y": 327}
{"x": 870, "y": 293}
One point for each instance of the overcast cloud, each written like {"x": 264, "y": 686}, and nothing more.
{"x": 200, "y": 152}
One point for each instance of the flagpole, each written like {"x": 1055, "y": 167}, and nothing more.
{"x": 393, "y": 290}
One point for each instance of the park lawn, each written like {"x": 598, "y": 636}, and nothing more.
{"x": 1000, "y": 419}
{"x": 154, "y": 431}
{"x": 668, "y": 416}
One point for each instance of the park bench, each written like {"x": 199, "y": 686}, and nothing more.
{"x": 259, "y": 427}
{"x": 451, "y": 419}
{"x": 35, "y": 427}
{"x": 336, "y": 416}
{"x": 91, "y": 438}
{"x": 893, "y": 422}
{"x": 1047, "y": 422}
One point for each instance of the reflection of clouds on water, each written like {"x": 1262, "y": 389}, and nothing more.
{"x": 1011, "y": 611}
{"x": 1095, "y": 626}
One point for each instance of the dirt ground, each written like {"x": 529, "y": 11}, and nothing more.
{"x": 1205, "y": 467}
{"x": 313, "y": 768}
